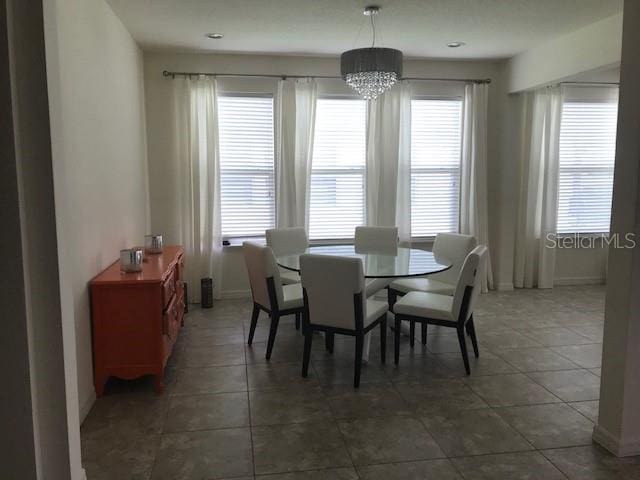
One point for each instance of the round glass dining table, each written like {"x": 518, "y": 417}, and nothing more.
{"x": 397, "y": 263}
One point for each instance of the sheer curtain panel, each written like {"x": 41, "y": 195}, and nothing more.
{"x": 198, "y": 167}
{"x": 388, "y": 160}
{"x": 473, "y": 178}
{"x": 296, "y": 112}
{"x": 538, "y": 203}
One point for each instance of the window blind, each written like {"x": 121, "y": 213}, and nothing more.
{"x": 246, "y": 165}
{"x": 436, "y": 148}
{"x": 587, "y": 155}
{"x": 336, "y": 203}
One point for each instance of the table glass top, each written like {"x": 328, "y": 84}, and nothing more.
{"x": 399, "y": 262}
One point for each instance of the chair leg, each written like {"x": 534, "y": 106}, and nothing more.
{"x": 254, "y": 322}
{"x": 358, "y": 359}
{"x": 383, "y": 339}
{"x": 308, "y": 338}
{"x": 424, "y": 327}
{"x": 329, "y": 338}
{"x": 297, "y": 320}
{"x": 471, "y": 328}
{"x": 396, "y": 340}
{"x": 275, "y": 318}
{"x": 463, "y": 349}
{"x": 392, "y": 298}
{"x": 412, "y": 333}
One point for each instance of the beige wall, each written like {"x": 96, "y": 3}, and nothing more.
{"x": 96, "y": 95}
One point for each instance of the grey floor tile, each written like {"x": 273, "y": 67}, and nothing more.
{"x": 288, "y": 406}
{"x": 210, "y": 454}
{"x": 298, "y": 447}
{"x": 423, "y": 470}
{"x": 341, "y": 372}
{"x": 370, "y": 400}
{"x": 506, "y": 339}
{"x": 588, "y": 409}
{"x": 203, "y": 412}
{"x": 558, "y": 336}
{"x": 474, "y": 432}
{"x": 388, "y": 439}
{"x": 486, "y": 364}
{"x": 570, "y": 385}
{"x": 285, "y": 350}
{"x": 210, "y": 337}
{"x": 347, "y": 473}
{"x": 212, "y": 356}
{"x": 549, "y": 426}
{"x": 275, "y": 376}
{"x": 511, "y": 389}
{"x": 439, "y": 344}
{"x": 593, "y": 463}
{"x": 210, "y": 380}
{"x": 592, "y": 331}
{"x": 535, "y": 359}
{"x": 508, "y": 466}
{"x": 596, "y": 371}
{"x": 109, "y": 455}
{"x": 417, "y": 369}
{"x": 440, "y": 396}
{"x": 585, "y": 356}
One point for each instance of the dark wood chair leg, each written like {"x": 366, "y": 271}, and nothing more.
{"x": 392, "y": 298}
{"x": 383, "y": 339}
{"x": 463, "y": 349}
{"x": 471, "y": 328}
{"x": 358, "y": 359}
{"x": 412, "y": 333}
{"x": 254, "y": 322}
{"x": 297, "y": 320}
{"x": 275, "y": 318}
{"x": 424, "y": 327}
{"x": 329, "y": 339}
{"x": 396, "y": 340}
{"x": 308, "y": 338}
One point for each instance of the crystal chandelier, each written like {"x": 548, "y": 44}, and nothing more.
{"x": 371, "y": 71}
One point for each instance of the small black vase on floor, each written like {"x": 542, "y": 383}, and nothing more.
{"x": 206, "y": 292}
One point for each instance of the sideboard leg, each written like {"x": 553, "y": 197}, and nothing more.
{"x": 158, "y": 383}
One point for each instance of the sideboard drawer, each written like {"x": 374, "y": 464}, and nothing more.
{"x": 168, "y": 288}
{"x": 171, "y": 319}
{"x": 180, "y": 269}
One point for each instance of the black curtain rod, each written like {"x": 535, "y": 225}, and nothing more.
{"x": 167, "y": 73}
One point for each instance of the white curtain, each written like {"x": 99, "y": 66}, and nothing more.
{"x": 388, "y": 160}
{"x": 196, "y": 140}
{"x": 473, "y": 178}
{"x": 538, "y": 203}
{"x": 296, "y": 113}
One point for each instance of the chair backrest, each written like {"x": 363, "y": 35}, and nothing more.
{"x": 331, "y": 284}
{"x": 470, "y": 280}
{"x": 261, "y": 265}
{"x": 284, "y": 241}
{"x": 454, "y": 248}
{"x": 376, "y": 239}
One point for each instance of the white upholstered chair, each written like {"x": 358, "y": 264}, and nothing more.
{"x": 448, "y": 311}
{"x": 333, "y": 290}
{"x": 376, "y": 240}
{"x": 451, "y": 247}
{"x": 285, "y": 241}
{"x": 268, "y": 292}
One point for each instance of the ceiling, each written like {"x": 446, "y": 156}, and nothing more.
{"x": 420, "y": 28}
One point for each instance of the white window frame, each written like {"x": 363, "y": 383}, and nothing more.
{"x": 460, "y": 98}
{"x": 230, "y": 240}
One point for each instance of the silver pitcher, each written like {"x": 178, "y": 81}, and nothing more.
{"x": 153, "y": 243}
{"x": 131, "y": 260}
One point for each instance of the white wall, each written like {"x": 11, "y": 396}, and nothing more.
{"x": 96, "y": 94}
{"x": 163, "y": 190}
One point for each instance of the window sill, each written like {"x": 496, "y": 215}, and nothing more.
{"x": 236, "y": 242}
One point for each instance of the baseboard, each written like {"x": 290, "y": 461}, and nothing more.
{"x": 504, "y": 286}
{"x": 614, "y": 445}
{"x": 564, "y": 281}
{"x": 230, "y": 294}
{"x": 85, "y": 408}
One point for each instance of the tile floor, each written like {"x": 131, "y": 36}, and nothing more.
{"x": 526, "y": 412}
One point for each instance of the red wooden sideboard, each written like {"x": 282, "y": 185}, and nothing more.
{"x": 136, "y": 318}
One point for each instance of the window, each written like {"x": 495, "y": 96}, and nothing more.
{"x": 336, "y": 203}
{"x": 436, "y": 146}
{"x": 246, "y": 165}
{"x": 587, "y": 155}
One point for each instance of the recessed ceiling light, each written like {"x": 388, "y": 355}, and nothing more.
{"x": 455, "y": 44}
{"x": 215, "y": 36}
